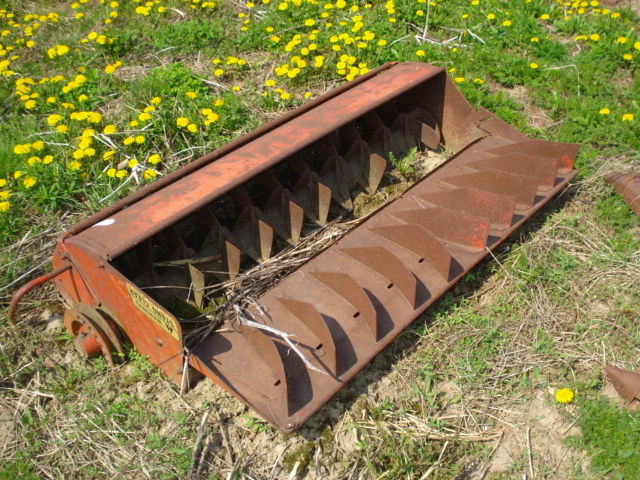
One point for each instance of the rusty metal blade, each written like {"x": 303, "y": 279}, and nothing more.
{"x": 522, "y": 187}
{"x": 465, "y": 231}
{"x": 313, "y": 196}
{"x": 496, "y": 207}
{"x": 345, "y": 286}
{"x": 197, "y": 281}
{"x": 382, "y": 261}
{"x": 325, "y": 350}
{"x": 545, "y": 170}
{"x": 565, "y": 152}
{"x": 416, "y": 239}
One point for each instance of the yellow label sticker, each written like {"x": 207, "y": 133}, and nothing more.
{"x": 155, "y": 314}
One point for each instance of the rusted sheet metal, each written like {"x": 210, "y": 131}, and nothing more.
{"x": 629, "y": 187}
{"x": 123, "y": 271}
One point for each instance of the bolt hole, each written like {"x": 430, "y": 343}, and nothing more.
{"x": 421, "y": 260}
{"x": 278, "y": 382}
{"x": 390, "y": 285}
{"x": 319, "y": 347}
{"x": 356, "y": 315}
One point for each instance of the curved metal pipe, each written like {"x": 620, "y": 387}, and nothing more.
{"x": 36, "y": 282}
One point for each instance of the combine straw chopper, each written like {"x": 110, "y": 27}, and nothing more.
{"x": 287, "y": 351}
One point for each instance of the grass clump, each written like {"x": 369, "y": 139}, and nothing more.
{"x": 611, "y": 438}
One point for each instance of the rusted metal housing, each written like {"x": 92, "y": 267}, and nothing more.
{"x": 120, "y": 270}
{"x": 629, "y": 187}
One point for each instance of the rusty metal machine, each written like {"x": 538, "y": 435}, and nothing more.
{"x": 286, "y": 351}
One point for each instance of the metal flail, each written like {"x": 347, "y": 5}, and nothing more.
{"x": 289, "y": 350}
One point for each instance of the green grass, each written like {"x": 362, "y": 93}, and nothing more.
{"x": 610, "y": 436}
{"x": 162, "y": 84}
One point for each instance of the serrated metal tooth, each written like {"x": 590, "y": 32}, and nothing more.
{"x": 313, "y": 196}
{"x": 253, "y": 234}
{"x": 544, "y": 169}
{"x": 466, "y": 231}
{"x": 380, "y": 140}
{"x": 565, "y": 152}
{"x": 498, "y": 208}
{"x": 284, "y": 215}
{"x": 419, "y": 241}
{"x": 335, "y": 174}
{"x": 268, "y": 354}
{"x": 307, "y": 314}
{"x": 522, "y": 187}
{"x": 369, "y": 167}
{"x": 197, "y": 285}
{"x": 424, "y": 127}
{"x": 383, "y": 262}
{"x": 345, "y": 286}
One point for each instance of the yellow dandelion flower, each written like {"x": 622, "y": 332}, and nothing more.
{"x": 5, "y": 206}
{"x": 459, "y": 79}
{"x": 132, "y": 163}
{"x": 627, "y": 56}
{"x": 191, "y": 94}
{"x": 182, "y": 122}
{"x": 506, "y": 23}
{"x": 479, "y": 81}
{"x": 155, "y": 101}
{"x": 545, "y": 16}
{"x": 62, "y": 128}
{"x": 420, "y": 53}
{"x": 3, "y": 182}
{"x": 5, "y": 194}
{"x": 21, "y": 149}
{"x": 192, "y": 127}
{"x": 128, "y": 140}
{"x": 94, "y": 117}
{"x": 604, "y": 111}
{"x": 46, "y": 160}
{"x": 121, "y": 173}
{"x": 149, "y": 174}
{"x": 154, "y": 159}
{"x": 54, "y": 119}
{"x": 627, "y": 117}
{"x": 111, "y": 173}
{"x": 533, "y": 65}
{"x": 109, "y": 129}
{"x": 565, "y": 395}
{"x": 108, "y": 154}
{"x": 37, "y": 145}
{"x": 594, "y": 37}
{"x": 140, "y": 139}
